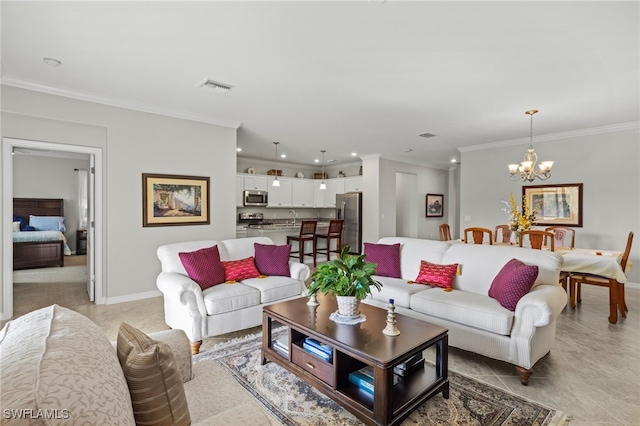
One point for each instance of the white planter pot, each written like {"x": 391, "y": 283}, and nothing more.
{"x": 348, "y": 306}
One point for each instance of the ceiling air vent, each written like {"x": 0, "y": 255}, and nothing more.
{"x": 218, "y": 87}
{"x": 427, "y": 135}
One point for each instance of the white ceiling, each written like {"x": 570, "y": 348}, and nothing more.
{"x": 361, "y": 76}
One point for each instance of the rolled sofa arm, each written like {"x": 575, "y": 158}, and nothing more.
{"x": 299, "y": 271}
{"x": 183, "y": 304}
{"x": 542, "y": 305}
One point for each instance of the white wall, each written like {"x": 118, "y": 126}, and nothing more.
{"x": 133, "y": 143}
{"x": 50, "y": 177}
{"x": 607, "y": 165}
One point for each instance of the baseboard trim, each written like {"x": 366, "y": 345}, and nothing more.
{"x": 632, "y": 285}
{"x": 132, "y": 297}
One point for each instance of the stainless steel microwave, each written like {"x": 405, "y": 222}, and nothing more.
{"x": 256, "y": 198}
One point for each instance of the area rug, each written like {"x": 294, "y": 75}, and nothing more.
{"x": 294, "y": 402}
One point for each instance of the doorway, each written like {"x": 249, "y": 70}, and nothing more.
{"x": 94, "y": 229}
{"x": 406, "y": 205}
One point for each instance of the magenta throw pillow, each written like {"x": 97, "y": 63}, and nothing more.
{"x": 386, "y": 256}
{"x": 272, "y": 259}
{"x": 436, "y": 275}
{"x": 203, "y": 266}
{"x": 514, "y": 280}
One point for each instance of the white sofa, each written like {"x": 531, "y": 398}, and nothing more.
{"x": 222, "y": 308}
{"x": 477, "y": 322}
{"x": 59, "y": 368}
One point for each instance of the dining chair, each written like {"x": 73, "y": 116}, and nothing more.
{"x": 537, "y": 238}
{"x": 445, "y": 232}
{"x": 478, "y": 235}
{"x": 307, "y": 233}
{"x": 616, "y": 289}
{"x": 505, "y": 231}
{"x": 561, "y": 234}
{"x": 334, "y": 232}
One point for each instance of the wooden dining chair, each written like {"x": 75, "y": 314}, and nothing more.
{"x": 307, "y": 233}
{"x": 537, "y": 238}
{"x": 445, "y": 232}
{"x": 334, "y": 232}
{"x": 505, "y": 231}
{"x": 562, "y": 234}
{"x": 616, "y": 289}
{"x": 478, "y": 235}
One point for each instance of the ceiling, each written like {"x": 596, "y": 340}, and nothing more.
{"x": 363, "y": 76}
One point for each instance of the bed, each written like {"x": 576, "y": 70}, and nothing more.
{"x": 35, "y": 249}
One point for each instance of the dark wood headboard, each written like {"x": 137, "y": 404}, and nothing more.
{"x": 38, "y": 207}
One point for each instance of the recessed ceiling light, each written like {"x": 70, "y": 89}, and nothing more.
{"x": 316, "y": 161}
{"x": 52, "y": 62}
{"x": 453, "y": 160}
{"x": 408, "y": 150}
{"x": 217, "y": 86}
{"x": 238, "y": 149}
{"x": 283, "y": 155}
{"x": 354, "y": 154}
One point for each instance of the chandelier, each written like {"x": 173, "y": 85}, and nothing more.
{"x": 526, "y": 170}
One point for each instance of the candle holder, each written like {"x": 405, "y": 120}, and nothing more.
{"x": 312, "y": 300}
{"x": 391, "y": 329}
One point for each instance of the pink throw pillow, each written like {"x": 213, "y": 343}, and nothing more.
{"x": 514, "y": 280}
{"x": 272, "y": 259}
{"x": 386, "y": 256}
{"x": 203, "y": 266}
{"x": 436, "y": 275}
{"x": 238, "y": 270}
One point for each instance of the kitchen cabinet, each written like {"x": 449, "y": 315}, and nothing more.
{"x": 239, "y": 190}
{"x": 353, "y": 184}
{"x": 279, "y": 196}
{"x": 255, "y": 182}
{"x": 302, "y": 194}
{"x": 327, "y": 197}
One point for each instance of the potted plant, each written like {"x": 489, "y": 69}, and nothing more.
{"x": 348, "y": 278}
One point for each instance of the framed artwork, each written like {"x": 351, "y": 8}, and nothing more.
{"x": 557, "y": 204}
{"x": 169, "y": 200}
{"x": 435, "y": 205}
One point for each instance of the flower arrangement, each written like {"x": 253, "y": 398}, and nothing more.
{"x": 520, "y": 221}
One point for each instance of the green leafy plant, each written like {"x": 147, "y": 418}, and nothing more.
{"x": 346, "y": 275}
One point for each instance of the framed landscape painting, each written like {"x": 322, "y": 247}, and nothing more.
{"x": 169, "y": 200}
{"x": 434, "y": 205}
{"x": 557, "y": 204}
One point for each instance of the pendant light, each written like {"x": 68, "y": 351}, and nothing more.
{"x": 276, "y": 182}
{"x": 323, "y": 185}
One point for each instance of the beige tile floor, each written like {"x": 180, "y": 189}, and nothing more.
{"x": 592, "y": 372}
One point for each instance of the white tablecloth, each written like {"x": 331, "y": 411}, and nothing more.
{"x": 605, "y": 263}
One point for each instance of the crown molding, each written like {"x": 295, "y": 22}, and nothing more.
{"x": 555, "y": 136}
{"x": 118, "y": 102}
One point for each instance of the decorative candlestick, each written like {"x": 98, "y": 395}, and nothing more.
{"x": 312, "y": 300}
{"x": 391, "y": 329}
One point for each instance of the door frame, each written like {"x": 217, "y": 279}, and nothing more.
{"x": 96, "y": 244}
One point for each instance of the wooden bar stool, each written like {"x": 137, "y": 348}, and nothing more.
{"x": 307, "y": 233}
{"x": 334, "y": 232}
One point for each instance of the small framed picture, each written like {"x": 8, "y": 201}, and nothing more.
{"x": 169, "y": 200}
{"x": 435, "y": 205}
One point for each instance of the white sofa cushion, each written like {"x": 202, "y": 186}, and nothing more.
{"x": 170, "y": 260}
{"x": 223, "y": 298}
{"x": 275, "y": 287}
{"x": 47, "y": 367}
{"x": 466, "y": 308}
{"x": 397, "y": 289}
{"x": 413, "y": 250}
{"x": 241, "y": 248}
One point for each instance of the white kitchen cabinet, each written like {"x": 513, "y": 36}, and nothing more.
{"x": 302, "y": 194}
{"x": 353, "y": 184}
{"x": 327, "y": 197}
{"x": 255, "y": 182}
{"x": 279, "y": 196}
{"x": 239, "y": 190}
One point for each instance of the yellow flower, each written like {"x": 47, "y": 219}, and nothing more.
{"x": 520, "y": 221}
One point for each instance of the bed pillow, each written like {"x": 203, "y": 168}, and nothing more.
{"x": 387, "y": 258}
{"x": 16, "y": 226}
{"x": 514, "y": 280}
{"x": 436, "y": 275}
{"x": 238, "y": 270}
{"x": 47, "y": 223}
{"x": 272, "y": 260}
{"x": 203, "y": 266}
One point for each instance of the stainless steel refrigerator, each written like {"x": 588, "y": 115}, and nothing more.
{"x": 349, "y": 208}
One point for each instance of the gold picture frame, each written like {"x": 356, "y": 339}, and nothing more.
{"x": 171, "y": 200}
{"x": 557, "y": 204}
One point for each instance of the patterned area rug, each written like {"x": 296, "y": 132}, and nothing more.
{"x": 294, "y": 402}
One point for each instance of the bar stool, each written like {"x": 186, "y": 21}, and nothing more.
{"x": 307, "y": 233}
{"x": 334, "y": 232}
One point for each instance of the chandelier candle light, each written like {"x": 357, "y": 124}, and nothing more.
{"x": 276, "y": 182}
{"x": 526, "y": 170}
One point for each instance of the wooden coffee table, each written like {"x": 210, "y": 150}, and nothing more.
{"x": 354, "y": 347}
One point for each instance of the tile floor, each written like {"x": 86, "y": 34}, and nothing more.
{"x": 592, "y": 373}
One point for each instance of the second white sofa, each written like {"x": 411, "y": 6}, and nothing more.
{"x": 477, "y": 322}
